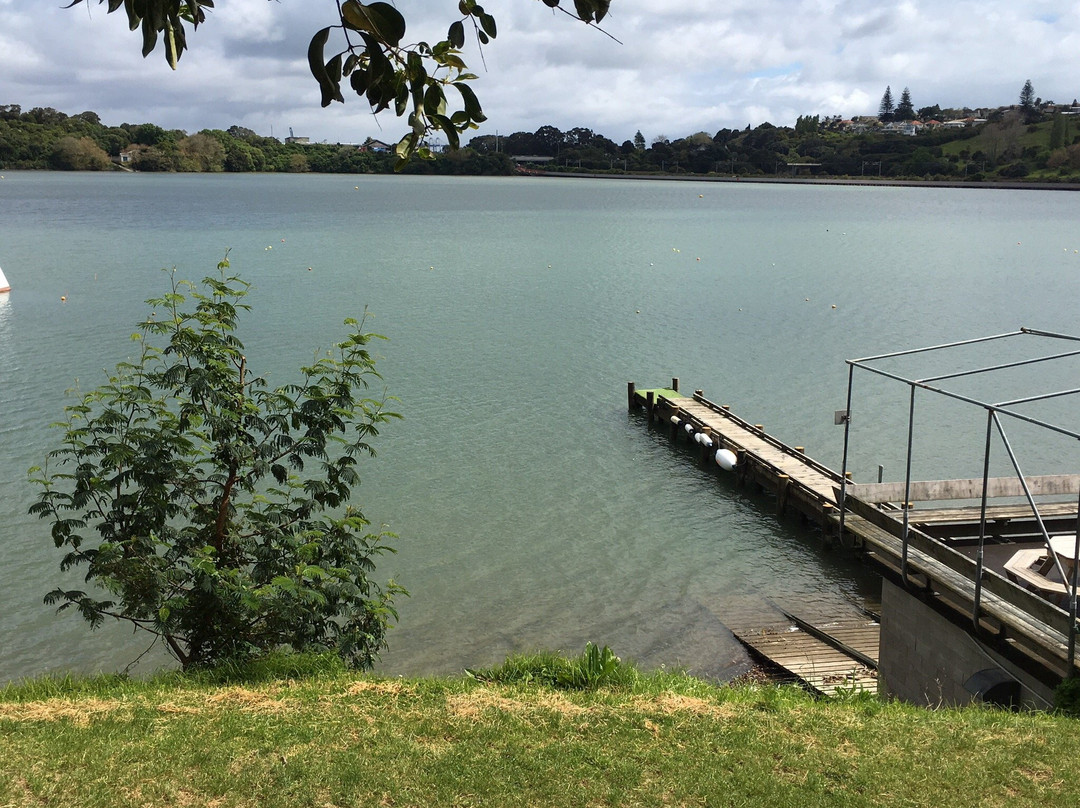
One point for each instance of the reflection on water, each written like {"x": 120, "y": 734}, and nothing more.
{"x": 532, "y": 511}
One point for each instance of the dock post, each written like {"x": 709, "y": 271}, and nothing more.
{"x": 699, "y": 394}
{"x": 675, "y": 383}
{"x": 782, "y": 483}
{"x": 826, "y": 512}
{"x": 630, "y": 386}
{"x": 650, "y": 404}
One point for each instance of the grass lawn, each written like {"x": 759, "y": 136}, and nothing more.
{"x": 342, "y": 739}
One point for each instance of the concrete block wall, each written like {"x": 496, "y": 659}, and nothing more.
{"x": 926, "y": 659}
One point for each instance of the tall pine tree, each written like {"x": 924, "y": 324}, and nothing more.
{"x": 905, "y": 110}
{"x": 885, "y": 111}
{"x": 1027, "y": 102}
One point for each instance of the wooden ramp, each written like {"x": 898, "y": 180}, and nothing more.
{"x": 839, "y": 657}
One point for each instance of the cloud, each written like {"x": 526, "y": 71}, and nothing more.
{"x": 680, "y": 68}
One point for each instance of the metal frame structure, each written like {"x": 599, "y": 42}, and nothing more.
{"x": 995, "y": 411}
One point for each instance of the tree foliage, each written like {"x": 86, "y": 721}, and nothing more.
{"x": 887, "y": 106}
{"x": 1027, "y": 96}
{"x": 369, "y": 54}
{"x": 1029, "y": 103}
{"x": 905, "y": 110}
{"x": 72, "y": 153}
{"x": 211, "y": 510}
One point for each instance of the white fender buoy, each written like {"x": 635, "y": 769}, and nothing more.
{"x": 725, "y": 459}
{"x": 706, "y": 441}
{"x": 675, "y": 420}
{"x": 689, "y": 428}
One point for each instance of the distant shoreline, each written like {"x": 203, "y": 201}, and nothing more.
{"x": 876, "y": 182}
{"x": 1016, "y": 185}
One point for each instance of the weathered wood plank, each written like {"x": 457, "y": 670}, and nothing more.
{"x": 817, "y": 664}
{"x": 940, "y": 490}
{"x": 971, "y": 513}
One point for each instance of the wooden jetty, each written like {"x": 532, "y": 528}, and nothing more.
{"x": 839, "y": 657}
{"x": 797, "y": 480}
{"x": 923, "y": 549}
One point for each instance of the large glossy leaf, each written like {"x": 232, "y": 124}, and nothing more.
{"x": 331, "y": 90}
{"x": 149, "y": 37}
{"x": 456, "y": 34}
{"x": 447, "y": 126}
{"x": 472, "y": 103}
{"x": 434, "y": 100}
{"x": 380, "y": 19}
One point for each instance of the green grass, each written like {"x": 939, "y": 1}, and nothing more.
{"x": 327, "y": 737}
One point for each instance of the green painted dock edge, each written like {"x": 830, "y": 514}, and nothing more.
{"x": 657, "y": 392}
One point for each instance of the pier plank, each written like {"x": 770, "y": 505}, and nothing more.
{"x": 814, "y": 662}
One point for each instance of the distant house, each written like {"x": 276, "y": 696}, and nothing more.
{"x": 909, "y": 128}
{"x": 963, "y": 123}
{"x": 302, "y": 141}
{"x": 127, "y": 156}
{"x": 376, "y": 146}
{"x": 856, "y": 126}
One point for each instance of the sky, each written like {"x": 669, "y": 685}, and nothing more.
{"x": 677, "y": 68}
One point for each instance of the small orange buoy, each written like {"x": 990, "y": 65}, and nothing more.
{"x": 63, "y": 298}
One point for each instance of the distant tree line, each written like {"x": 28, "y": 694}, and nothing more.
{"x": 1012, "y": 143}
{"x": 44, "y": 138}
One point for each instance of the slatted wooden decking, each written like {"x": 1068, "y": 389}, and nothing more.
{"x": 798, "y": 480}
{"x": 1017, "y": 618}
{"x": 812, "y": 660}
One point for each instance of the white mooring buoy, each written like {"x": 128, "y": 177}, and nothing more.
{"x": 725, "y": 459}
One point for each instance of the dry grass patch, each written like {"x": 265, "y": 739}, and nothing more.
{"x": 675, "y": 703}
{"x": 472, "y": 704}
{"x": 81, "y": 712}
{"x": 268, "y": 701}
{"x": 381, "y": 688}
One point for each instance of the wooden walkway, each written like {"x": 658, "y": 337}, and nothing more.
{"x": 1006, "y": 615}
{"x": 840, "y": 657}
{"x": 797, "y": 480}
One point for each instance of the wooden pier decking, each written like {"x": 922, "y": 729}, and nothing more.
{"x": 839, "y": 657}
{"x": 818, "y": 664}
{"x": 1001, "y": 612}
{"x": 798, "y": 480}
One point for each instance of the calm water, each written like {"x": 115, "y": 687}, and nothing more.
{"x": 533, "y": 512}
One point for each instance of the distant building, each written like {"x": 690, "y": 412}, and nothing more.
{"x": 376, "y": 146}
{"x": 303, "y": 141}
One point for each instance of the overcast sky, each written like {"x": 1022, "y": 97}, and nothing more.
{"x": 683, "y": 66}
